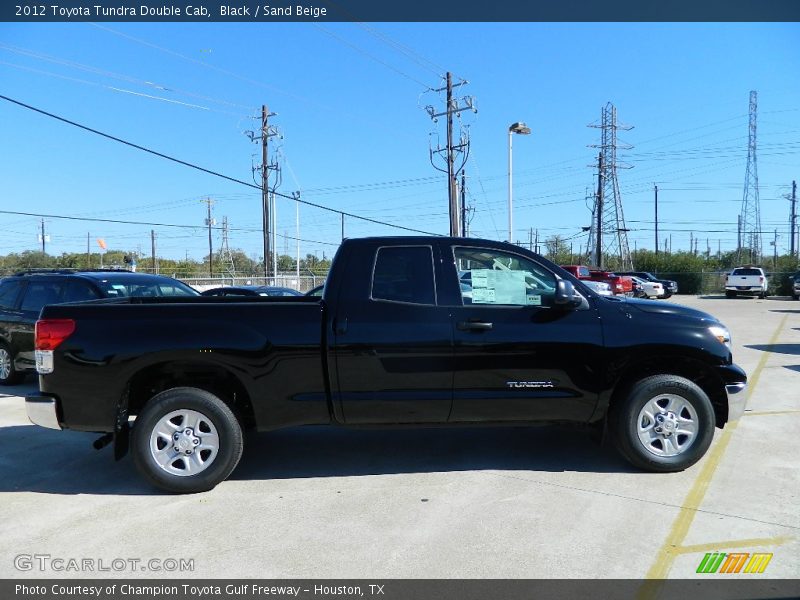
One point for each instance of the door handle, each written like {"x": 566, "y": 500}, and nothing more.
{"x": 474, "y": 326}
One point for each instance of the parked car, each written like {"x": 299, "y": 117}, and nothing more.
{"x": 620, "y": 284}
{"x": 648, "y": 289}
{"x": 670, "y": 286}
{"x": 316, "y": 291}
{"x": 578, "y": 271}
{"x": 749, "y": 280}
{"x": 393, "y": 341}
{"x": 251, "y": 290}
{"x": 23, "y": 295}
{"x": 796, "y": 286}
{"x": 600, "y": 287}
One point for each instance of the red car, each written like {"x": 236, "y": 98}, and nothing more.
{"x": 620, "y": 285}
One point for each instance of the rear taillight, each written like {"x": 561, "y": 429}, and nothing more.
{"x": 51, "y": 332}
{"x": 760, "y": 280}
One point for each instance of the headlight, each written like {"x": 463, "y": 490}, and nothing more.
{"x": 722, "y": 334}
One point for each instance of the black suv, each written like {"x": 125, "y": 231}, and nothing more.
{"x": 23, "y": 295}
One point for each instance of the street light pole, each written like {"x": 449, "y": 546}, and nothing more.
{"x": 522, "y": 129}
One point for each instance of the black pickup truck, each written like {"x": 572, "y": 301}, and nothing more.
{"x": 408, "y": 331}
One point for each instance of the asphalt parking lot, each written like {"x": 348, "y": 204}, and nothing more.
{"x": 431, "y": 503}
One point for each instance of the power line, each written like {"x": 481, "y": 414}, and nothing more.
{"x": 208, "y": 171}
{"x": 370, "y": 56}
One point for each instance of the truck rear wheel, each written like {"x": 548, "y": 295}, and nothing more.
{"x": 186, "y": 440}
{"x": 665, "y": 423}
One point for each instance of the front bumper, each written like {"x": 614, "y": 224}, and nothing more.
{"x": 42, "y": 410}
{"x": 737, "y": 399}
{"x": 735, "y": 381}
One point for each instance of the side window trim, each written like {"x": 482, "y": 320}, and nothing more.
{"x": 433, "y": 275}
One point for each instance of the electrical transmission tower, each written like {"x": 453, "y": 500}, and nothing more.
{"x": 750, "y": 238}
{"x": 608, "y": 236}
{"x": 226, "y": 257}
{"x": 452, "y": 153}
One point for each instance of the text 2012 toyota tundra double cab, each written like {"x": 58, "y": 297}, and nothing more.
{"x": 397, "y": 338}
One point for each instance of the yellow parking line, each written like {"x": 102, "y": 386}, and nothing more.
{"x": 680, "y": 528}
{"x": 767, "y": 413}
{"x": 730, "y": 544}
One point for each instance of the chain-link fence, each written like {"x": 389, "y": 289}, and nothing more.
{"x": 705, "y": 282}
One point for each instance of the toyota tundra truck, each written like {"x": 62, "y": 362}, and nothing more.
{"x": 400, "y": 337}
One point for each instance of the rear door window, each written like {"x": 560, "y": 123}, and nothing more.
{"x": 9, "y": 291}
{"x": 39, "y": 294}
{"x": 404, "y": 274}
{"x": 79, "y": 291}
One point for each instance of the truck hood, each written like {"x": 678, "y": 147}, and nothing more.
{"x": 664, "y": 308}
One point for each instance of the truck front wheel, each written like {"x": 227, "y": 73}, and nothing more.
{"x": 665, "y": 423}
{"x": 186, "y": 440}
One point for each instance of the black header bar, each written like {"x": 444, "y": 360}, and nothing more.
{"x": 270, "y": 11}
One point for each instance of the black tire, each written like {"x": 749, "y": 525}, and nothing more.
{"x": 215, "y": 426}
{"x": 795, "y": 297}
{"x": 762, "y": 295}
{"x": 8, "y": 373}
{"x": 729, "y": 294}
{"x": 692, "y": 405}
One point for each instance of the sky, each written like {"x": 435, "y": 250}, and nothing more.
{"x": 350, "y": 100}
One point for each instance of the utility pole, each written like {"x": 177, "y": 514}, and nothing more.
{"x": 775, "y": 250}
{"x": 599, "y": 211}
{"x": 530, "y": 239}
{"x": 464, "y": 225}
{"x": 266, "y": 132}
{"x": 88, "y": 251}
{"x": 451, "y": 192}
{"x": 656, "y": 190}
{"x": 153, "y": 251}
{"x": 452, "y": 107}
{"x": 264, "y": 188}
{"x": 297, "y": 232}
{"x": 43, "y": 238}
{"x": 209, "y": 222}
{"x": 793, "y": 220}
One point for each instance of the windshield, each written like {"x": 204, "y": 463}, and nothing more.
{"x": 139, "y": 287}
{"x": 746, "y": 271}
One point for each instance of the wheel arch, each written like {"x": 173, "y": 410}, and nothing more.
{"x": 209, "y": 376}
{"x": 703, "y": 375}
